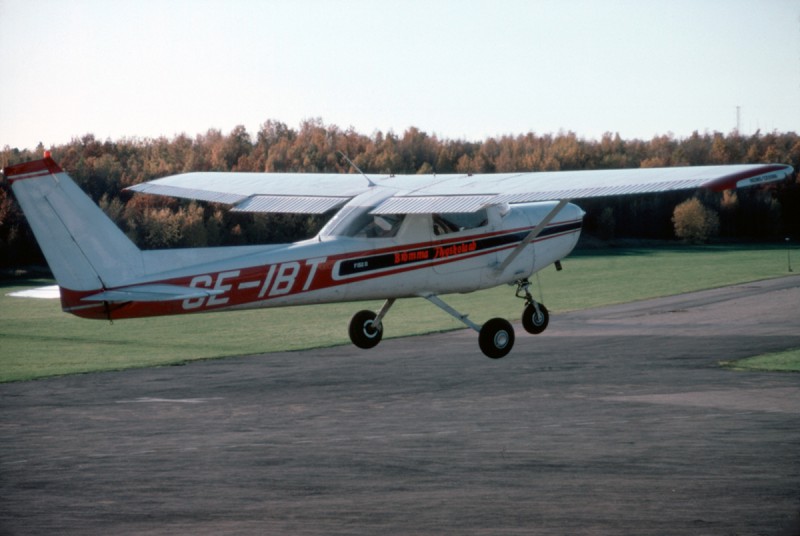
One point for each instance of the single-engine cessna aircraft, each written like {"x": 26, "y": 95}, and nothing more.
{"x": 391, "y": 237}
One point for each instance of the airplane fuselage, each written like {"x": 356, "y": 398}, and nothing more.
{"x": 353, "y": 258}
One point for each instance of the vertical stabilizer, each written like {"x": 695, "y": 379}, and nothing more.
{"x": 84, "y": 248}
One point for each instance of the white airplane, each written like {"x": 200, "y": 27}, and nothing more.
{"x": 391, "y": 237}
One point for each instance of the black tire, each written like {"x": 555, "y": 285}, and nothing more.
{"x": 535, "y": 323}
{"x": 362, "y": 332}
{"x": 496, "y": 338}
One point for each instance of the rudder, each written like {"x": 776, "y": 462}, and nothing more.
{"x": 83, "y": 247}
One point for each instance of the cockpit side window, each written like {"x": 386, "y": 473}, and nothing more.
{"x": 458, "y": 221}
{"x": 356, "y": 221}
{"x": 377, "y": 225}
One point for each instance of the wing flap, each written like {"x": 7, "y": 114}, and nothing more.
{"x": 287, "y": 204}
{"x": 433, "y": 204}
{"x": 151, "y": 293}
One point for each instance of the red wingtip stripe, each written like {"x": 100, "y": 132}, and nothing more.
{"x": 36, "y": 168}
{"x": 770, "y": 173}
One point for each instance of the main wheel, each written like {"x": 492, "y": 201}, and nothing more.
{"x": 496, "y": 338}
{"x": 362, "y": 330}
{"x": 533, "y": 321}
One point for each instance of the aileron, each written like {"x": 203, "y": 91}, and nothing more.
{"x": 188, "y": 193}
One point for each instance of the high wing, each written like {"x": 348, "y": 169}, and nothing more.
{"x": 317, "y": 193}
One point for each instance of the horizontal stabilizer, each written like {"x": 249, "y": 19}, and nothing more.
{"x": 152, "y": 293}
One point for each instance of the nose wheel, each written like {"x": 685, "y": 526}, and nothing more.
{"x": 535, "y": 316}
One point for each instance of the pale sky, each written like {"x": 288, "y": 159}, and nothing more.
{"x": 459, "y": 69}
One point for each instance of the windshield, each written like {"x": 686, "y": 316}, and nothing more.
{"x": 358, "y": 222}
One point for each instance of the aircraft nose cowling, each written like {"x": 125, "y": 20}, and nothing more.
{"x": 571, "y": 212}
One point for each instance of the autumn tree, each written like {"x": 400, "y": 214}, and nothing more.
{"x": 104, "y": 168}
{"x": 695, "y": 222}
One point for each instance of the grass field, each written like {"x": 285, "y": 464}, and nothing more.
{"x": 788, "y": 361}
{"x": 38, "y": 340}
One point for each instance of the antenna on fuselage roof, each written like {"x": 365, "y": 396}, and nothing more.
{"x": 357, "y": 168}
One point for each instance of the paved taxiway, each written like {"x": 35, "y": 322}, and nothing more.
{"x": 615, "y": 421}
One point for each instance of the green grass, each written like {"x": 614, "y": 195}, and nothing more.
{"x": 788, "y": 361}
{"x": 38, "y": 340}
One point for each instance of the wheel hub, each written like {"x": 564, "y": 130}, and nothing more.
{"x": 501, "y": 339}
{"x": 369, "y": 329}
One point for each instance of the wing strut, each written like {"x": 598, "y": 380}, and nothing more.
{"x": 533, "y": 234}
{"x": 438, "y": 302}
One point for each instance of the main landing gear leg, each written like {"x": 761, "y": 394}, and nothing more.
{"x": 495, "y": 337}
{"x": 535, "y": 317}
{"x": 366, "y": 327}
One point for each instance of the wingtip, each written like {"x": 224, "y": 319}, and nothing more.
{"x": 751, "y": 177}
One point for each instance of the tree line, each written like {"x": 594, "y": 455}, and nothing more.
{"x": 104, "y": 168}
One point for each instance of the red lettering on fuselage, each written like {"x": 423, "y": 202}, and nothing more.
{"x": 411, "y": 256}
{"x": 455, "y": 249}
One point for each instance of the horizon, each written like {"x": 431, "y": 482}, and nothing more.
{"x": 253, "y": 134}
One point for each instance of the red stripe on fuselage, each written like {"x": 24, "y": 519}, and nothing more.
{"x": 261, "y": 284}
